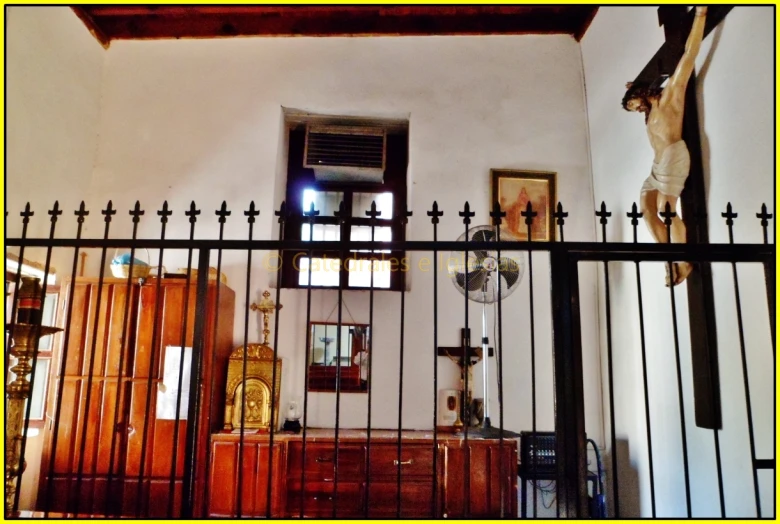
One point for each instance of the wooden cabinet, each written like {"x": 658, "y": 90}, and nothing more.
{"x": 118, "y": 411}
{"x": 367, "y": 479}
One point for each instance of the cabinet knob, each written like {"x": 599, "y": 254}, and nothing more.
{"x": 403, "y": 462}
{"x": 323, "y": 459}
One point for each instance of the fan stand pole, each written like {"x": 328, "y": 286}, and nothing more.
{"x": 485, "y": 360}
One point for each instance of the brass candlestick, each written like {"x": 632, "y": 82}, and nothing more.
{"x": 266, "y": 307}
{"x": 23, "y": 347}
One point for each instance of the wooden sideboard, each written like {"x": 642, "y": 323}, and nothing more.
{"x": 367, "y": 481}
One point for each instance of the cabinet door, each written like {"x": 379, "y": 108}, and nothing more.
{"x": 254, "y": 483}
{"x": 88, "y": 428}
{"x": 491, "y": 473}
{"x": 161, "y": 323}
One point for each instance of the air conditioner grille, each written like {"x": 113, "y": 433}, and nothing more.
{"x": 332, "y": 147}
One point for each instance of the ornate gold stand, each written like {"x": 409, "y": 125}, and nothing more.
{"x": 23, "y": 344}
{"x": 257, "y": 385}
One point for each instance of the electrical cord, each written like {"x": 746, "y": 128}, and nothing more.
{"x": 546, "y": 490}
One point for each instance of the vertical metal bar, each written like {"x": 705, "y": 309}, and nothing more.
{"x": 222, "y": 213}
{"x": 667, "y": 215}
{"x": 251, "y": 214}
{"x": 136, "y": 213}
{"x": 769, "y": 275}
{"x": 769, "y": 279}
{"x": 192, "y": 214}
{"x": 282, "y": 214}
{"x": 569, "y": 403}
{"x": 529, "y": 215}
{"x": 373, "y": 214}
{"x": 310, "y": 214}
{"x": 743, "y": 354}
{"x": 108, "y": 213}
{"x": 54, "y": 213}
{"x": 497, "y": 216}
{"x": 560, "y": 216}
{"x": 81, "y": 213}
{"x": 164, "y": 213}
{"x": 467, "y": 214}
{"x": 603, "y": 214}
{"x": 434, "y": 213}
{"x": 341, "y": 214}
{"x": 403, "y": 220}
{"x": 635, "y": 216}
{"x": 196, "y": 380}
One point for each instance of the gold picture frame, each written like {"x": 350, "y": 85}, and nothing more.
{"x": 513, "y": 189}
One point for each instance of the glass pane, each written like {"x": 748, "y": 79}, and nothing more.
{"x": 325, "y": 344}
{"x": 363, "y": 233}
{"x": 325, "y": 271}
{"x": 38, "y": 397}
{"x": 321, "y": 232}
{"x": 361, "y": 202}
{"x": 326, "y": 202}
{"x": 360, "y": 273}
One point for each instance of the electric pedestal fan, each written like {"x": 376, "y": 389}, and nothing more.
{"x": 485, "y": 277}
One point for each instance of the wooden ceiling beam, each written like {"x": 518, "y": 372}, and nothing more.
{"x": 153, "y": 22}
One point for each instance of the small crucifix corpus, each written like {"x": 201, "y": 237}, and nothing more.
{"x": 266, "y": 307}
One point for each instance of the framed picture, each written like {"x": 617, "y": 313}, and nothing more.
{"x": 513, "y": 190}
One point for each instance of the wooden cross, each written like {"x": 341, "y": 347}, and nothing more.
{"x": 677, "y": 21}
{"x": 456, "y": 353}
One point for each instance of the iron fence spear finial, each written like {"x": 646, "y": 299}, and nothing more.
{"x": 559, "y": 216}
{"x": 764, "y": 216}
{"x": 136, "y": 212}
{"x": 434, "y": 213}
{"x": 729, "y": 215}
{"x": 634, "y": 215}
{"x": 222, "y": 212}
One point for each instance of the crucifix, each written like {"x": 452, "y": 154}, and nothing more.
{"x": 266, "y": 307}
{"x": 456, "y": 354}
{"x": 673, "y": 129}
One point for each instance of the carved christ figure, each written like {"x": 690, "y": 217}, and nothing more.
{"x": 663, "y": 109}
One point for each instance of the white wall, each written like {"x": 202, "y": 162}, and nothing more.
{"x": 52, "y": 103}
{"x": 736, "y": 97}
{"x": 201, "y": 120}
{"x": 53, "y": 89}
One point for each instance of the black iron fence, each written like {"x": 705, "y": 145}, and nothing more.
{"x": 129, "y": 488}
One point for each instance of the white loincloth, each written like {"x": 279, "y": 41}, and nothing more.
{"x": 668, "y": 176}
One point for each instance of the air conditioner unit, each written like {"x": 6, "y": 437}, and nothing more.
{"x": 345, "y": 153}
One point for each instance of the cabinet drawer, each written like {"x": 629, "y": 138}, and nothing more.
{"x": 416, "y": 499}
{"x": 321, "y": 461}
{"x": 416, "y": 460}
{"x": 318, "y": 499}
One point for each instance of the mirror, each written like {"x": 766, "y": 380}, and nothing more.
{"x": 325, "y": 359}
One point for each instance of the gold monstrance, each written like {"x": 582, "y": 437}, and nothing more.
{"x": 256, "y": 385}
